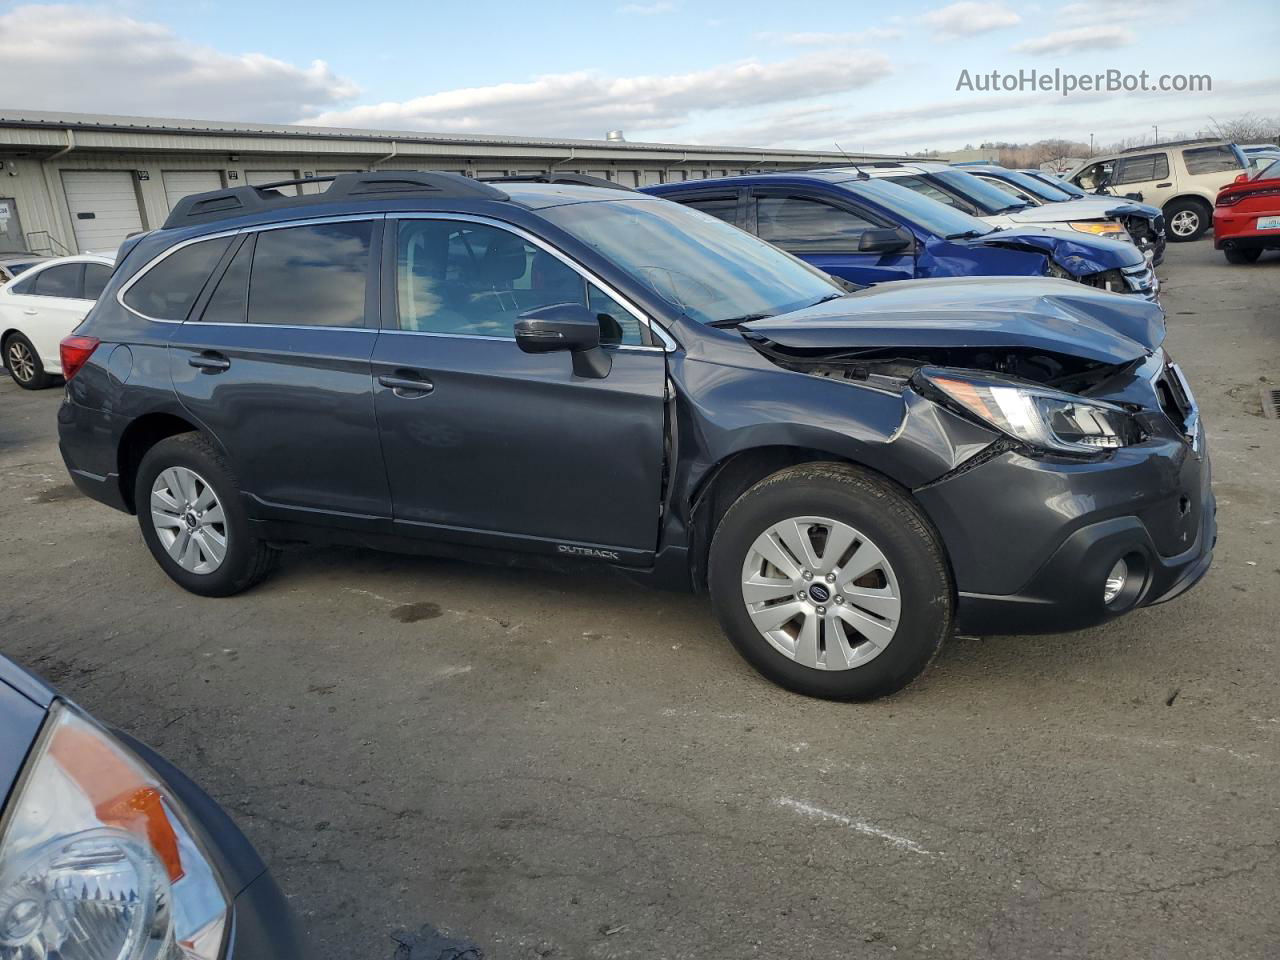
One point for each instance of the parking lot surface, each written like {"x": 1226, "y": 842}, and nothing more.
{"x": 429, "y": 753}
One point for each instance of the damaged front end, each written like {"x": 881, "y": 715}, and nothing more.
{"x": 1112, "y": 265}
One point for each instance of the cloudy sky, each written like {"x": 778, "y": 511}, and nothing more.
{"x": 869, "y": 76}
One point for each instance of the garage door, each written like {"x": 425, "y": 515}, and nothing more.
{"x": 104, "y": 208}
{"x": 322, "y": 187}
{"x": 255, "y": 177}
{"x": 183, "y": 183}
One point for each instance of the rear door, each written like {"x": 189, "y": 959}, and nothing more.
{"x": 826, "y": 233}
{"x": 272, "y": 356}
{"x": 46, "y": 305}
{"x": 495, "y": 447}
{"x": 1143, "y": 176}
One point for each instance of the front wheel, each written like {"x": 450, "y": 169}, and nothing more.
{"x": 193, "y": 518}
{"x": 1243, "y": 254}
{"x": 831, "y": 582}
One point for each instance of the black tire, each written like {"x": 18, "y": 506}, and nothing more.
{"x": 26, "y": 360}
{"x": 886, "y": 516}
{"x": 1242, "y": 254}
{"x": 1187, "y": 208}
{"x": 247, "y": 560}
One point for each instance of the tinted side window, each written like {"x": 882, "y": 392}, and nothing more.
{"x": 1217, "y": 159}
{"x": 230, "y": 300}
{"x": 312, "y": 276}
{"x": 1151, "y": 166}
{"x": 473, "y": 279}
{"x": 96, "y": 276}
{"x": 23, "y": 286}
{"x": 60, "y": 281}
{"x": 168, "y": 289}
{"x": 722, "y": 208}
{"x": 802, "y": 225}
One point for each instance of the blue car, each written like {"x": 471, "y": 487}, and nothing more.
{"x": 871, "y": 230}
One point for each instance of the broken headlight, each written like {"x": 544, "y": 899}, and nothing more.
{"x": 1039, "y": 416}
{"x": 96, "y": 860}
{"x": 1101, "y": 228}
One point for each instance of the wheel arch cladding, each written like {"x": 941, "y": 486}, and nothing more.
{"x": 731, "y": 477}
{"x": 139, "y": 437}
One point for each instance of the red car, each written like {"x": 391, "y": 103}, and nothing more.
{"x": 1246, "y": 217}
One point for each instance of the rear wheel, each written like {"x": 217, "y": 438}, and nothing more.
{"x": 1187, "y": 220}
{"x": 1242, "y": 254}
{"x": 23, "y": 363}
{"x": 193, "y": 519}
{"x": 831, "y": 582}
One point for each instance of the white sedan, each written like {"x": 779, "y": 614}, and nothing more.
{"x": 41, "y": 307}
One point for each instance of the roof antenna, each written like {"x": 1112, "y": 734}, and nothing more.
{"x": 862, "y": 174}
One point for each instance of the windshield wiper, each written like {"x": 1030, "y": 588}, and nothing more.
{"x": 966, "y": 235}
{"x": 1013, "y": 207}
{"x": 830, "y": 296}
{"x": 734, "y": 321}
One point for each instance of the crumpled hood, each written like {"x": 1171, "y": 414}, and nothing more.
{"x": 1079, "y": 253}
{"x": 1055, "y": 316}
{"x": 1084, "y": 208}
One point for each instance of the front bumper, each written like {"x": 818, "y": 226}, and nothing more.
{"x": 1031, "y": 541}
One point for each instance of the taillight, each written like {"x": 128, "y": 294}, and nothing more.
{"x": 1231, "y": 199}
{"x": 75, "y": 351}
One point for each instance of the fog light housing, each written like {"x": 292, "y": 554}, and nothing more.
{"x": 1115, "y": 582}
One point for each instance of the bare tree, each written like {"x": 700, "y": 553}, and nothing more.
{"x": 1248, "y": 128}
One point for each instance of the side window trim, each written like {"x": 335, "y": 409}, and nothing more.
{"x": 370, "y": 294}
{"x": 196, "y": 315}
{"x": 390, "y": 298}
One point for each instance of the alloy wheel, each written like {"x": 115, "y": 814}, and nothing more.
{"x": 189, "y": 520}
{"x": 1185, "y": 223}
{"x": 821, "y": 593}
{"x": 21, "y": 362}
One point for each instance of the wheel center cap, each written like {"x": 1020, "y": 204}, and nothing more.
{"x": 190, "y": 520}
{"x": 818, "y": 593}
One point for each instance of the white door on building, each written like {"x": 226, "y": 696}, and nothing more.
{"x": 183, "y": 183}
{"x": 255, "y": 177}
{"x": 104, "y": 208}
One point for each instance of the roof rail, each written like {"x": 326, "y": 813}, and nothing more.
{"x": 1173, "y": 143}
{"x": 581, "y": 179}
{"x": 240, "y": 201}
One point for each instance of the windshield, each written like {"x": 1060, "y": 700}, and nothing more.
{"x": 916, "y": 208}
{"x": 984, "y": 196}
{"x": 1070, "y": 189}
{"x": 710, "y": 270}
{"x": 1033, "y": 186}
{"x": 1269, "y": 173}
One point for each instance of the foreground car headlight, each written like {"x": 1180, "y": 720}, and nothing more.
{"x": 1103, "y": 228}
{"x": 96, "y": 861}
{"x": 1039, "y": 416}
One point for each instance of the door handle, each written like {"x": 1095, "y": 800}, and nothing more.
{"x": 1160, "y": 186}
{"x": 209, "y": 362}
{"x": 407, "y": 387}
{"x": 29, "y": 312}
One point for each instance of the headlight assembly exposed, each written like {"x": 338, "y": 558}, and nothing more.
{"x": 1038, "y": 416}
{"x": 1103, "y": 228}
{"x": 96, "y": 861}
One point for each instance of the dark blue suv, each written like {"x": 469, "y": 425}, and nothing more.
{"x": 587, "y": 377}
{"x": 872, "y": 230}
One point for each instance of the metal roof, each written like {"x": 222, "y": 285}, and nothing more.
{"x": 163, "y": 126}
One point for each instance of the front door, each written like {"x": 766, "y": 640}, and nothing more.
{"x": 274, "y": 361}
{"x": 826, "y": 235}
{"x": 488, "y": 445}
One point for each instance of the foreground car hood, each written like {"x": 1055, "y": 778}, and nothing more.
{"x": 1085, "y": 208}
{"x": 1055, "y": 316}
{"x": 1079, "y": 253}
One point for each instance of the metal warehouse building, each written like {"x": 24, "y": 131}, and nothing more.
{"x": 75, "y": 183}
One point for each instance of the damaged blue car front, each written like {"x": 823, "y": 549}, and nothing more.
{"x": 867, "y": 230}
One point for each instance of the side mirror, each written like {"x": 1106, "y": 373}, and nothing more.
{"x": 565, "y": 326}
{"x": 1137, "y": 197}
{"x": 887, "y": 240}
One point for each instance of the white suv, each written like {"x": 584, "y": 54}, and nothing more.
{"x": 1182, "y": 178}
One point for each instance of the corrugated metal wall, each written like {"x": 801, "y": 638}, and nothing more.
{"x": 38, "y": 192}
